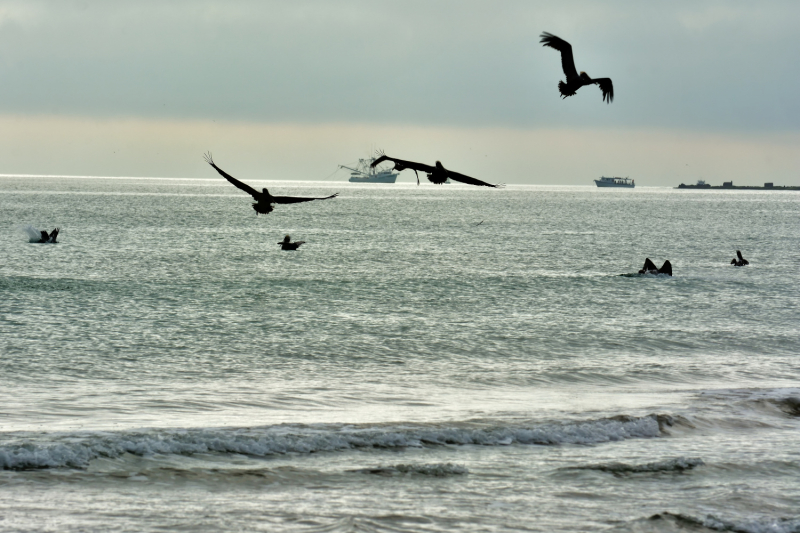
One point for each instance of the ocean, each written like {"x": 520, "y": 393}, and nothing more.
{"x": 433, "y": 358}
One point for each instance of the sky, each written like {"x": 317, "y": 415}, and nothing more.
{"x": 290, "y": 89}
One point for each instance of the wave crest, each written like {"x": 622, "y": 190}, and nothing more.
{"x": 435, "y": 470}
{"x": 679, "y": 464}
{"x": 754, "y": 525}
{"x": 23, "y": 452}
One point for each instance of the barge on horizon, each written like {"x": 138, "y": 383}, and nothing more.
{"x": 728, "y": 185}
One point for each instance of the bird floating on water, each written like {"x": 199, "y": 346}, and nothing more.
{"x": 739, "y": 261}
{"x": 436, "y": 174}
{"x": 264, "y": 199}
{"x": 286, "y": 243}
{"x": 49, "y": 238}
{"x": 650, "y": 268}
{"x": 574, "y": 80}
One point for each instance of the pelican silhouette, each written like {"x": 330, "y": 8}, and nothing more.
{"x": 574, "y": 80}
{"x": 264, "y": 199}
{"x": 650, "y": 268}
{"x": 49, "y": 238}
{"x": 739, "y": 261}
{"x": 436, "y": 174}
{"x": 286, "y": 243}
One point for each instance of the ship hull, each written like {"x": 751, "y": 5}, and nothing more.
{"x": 740, "y": 187}
{"x": 364, "y": 172}
{"x": 617, "y": 185}
{"x": 374, "y": 179}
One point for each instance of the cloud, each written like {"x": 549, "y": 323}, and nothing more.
{"x": 704, "y": 65}
{"x": 703, "y": 89}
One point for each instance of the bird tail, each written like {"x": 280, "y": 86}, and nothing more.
{"x": 563, "y": 88}
{"x": 262, "y": 208}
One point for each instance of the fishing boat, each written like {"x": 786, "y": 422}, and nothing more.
{"x": 615, "y": 182}
{"x": 364, "y": 173}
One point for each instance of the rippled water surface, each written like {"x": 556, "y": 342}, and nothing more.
{"x": 432, "y": 359}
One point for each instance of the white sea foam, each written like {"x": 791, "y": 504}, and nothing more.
{"x": 34, "y": 235}
{"x": 76, "y": 450}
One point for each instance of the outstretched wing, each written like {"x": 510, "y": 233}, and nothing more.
{"x": 648, "y": 266}
{"x": 567, "y": 61}
{"x": 455, "y": 176}
{"x": 607, "y": 87}
{"x": 243, "y": 186}
{"x": 402, "y": 164}
{"x": 296, "y": 199}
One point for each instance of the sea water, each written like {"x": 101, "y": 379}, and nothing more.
{"x": 433, "y": 358}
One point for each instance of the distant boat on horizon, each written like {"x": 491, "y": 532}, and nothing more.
{"x": 364, "y": 173}
{"x": 615, "y": 182}
{"x": 728, "y": 185}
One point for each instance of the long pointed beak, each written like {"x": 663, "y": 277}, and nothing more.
{"x": 417, "y": 173}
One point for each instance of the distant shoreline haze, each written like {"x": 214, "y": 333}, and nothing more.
{"x": 255, "y": 151}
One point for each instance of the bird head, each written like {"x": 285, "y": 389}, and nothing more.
{"x": 439, "y": 165}
{"x": 265, "y": 191}
{"x": 287, "y": 238}
{"x": 585, "y": 76}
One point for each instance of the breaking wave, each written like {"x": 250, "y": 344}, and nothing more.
{"x": 679, "y": 464}
{"x": 754, "y": 525}
{"x": 435, "y": 470}
{"x": 76, "y": 450}
{"x": 790, "y": 405}
{"x": 773, "y": 401}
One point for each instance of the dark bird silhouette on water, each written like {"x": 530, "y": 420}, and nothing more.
{"x": 574, "y": 80}
{"x": 264, "y": 199}
{"x": 650, "y": 268}
{"x": 739, "y": 261}
{"x": 436, "y": 174}
{"x": 49, "y": 238}
{"x": 286, "y": 244}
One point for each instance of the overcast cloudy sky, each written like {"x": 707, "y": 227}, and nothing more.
{"x": 288, "y": 89}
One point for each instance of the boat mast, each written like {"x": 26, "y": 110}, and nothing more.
{"x": 353, "y": 169}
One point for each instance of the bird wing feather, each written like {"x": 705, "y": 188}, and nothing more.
{"x": 405, "y": 164}
{"x": 607, "y": 87}
{"x": 567, "y": 61}
{"x": 243, "y": 186}
{"x": 296, "y": 199}
{"x": 455, "y": 176}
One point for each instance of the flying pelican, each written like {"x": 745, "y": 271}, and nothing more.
{"x": 436, "y": 174}
{"x": 264, "y": 199}
{"x": 574, "y": 80}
